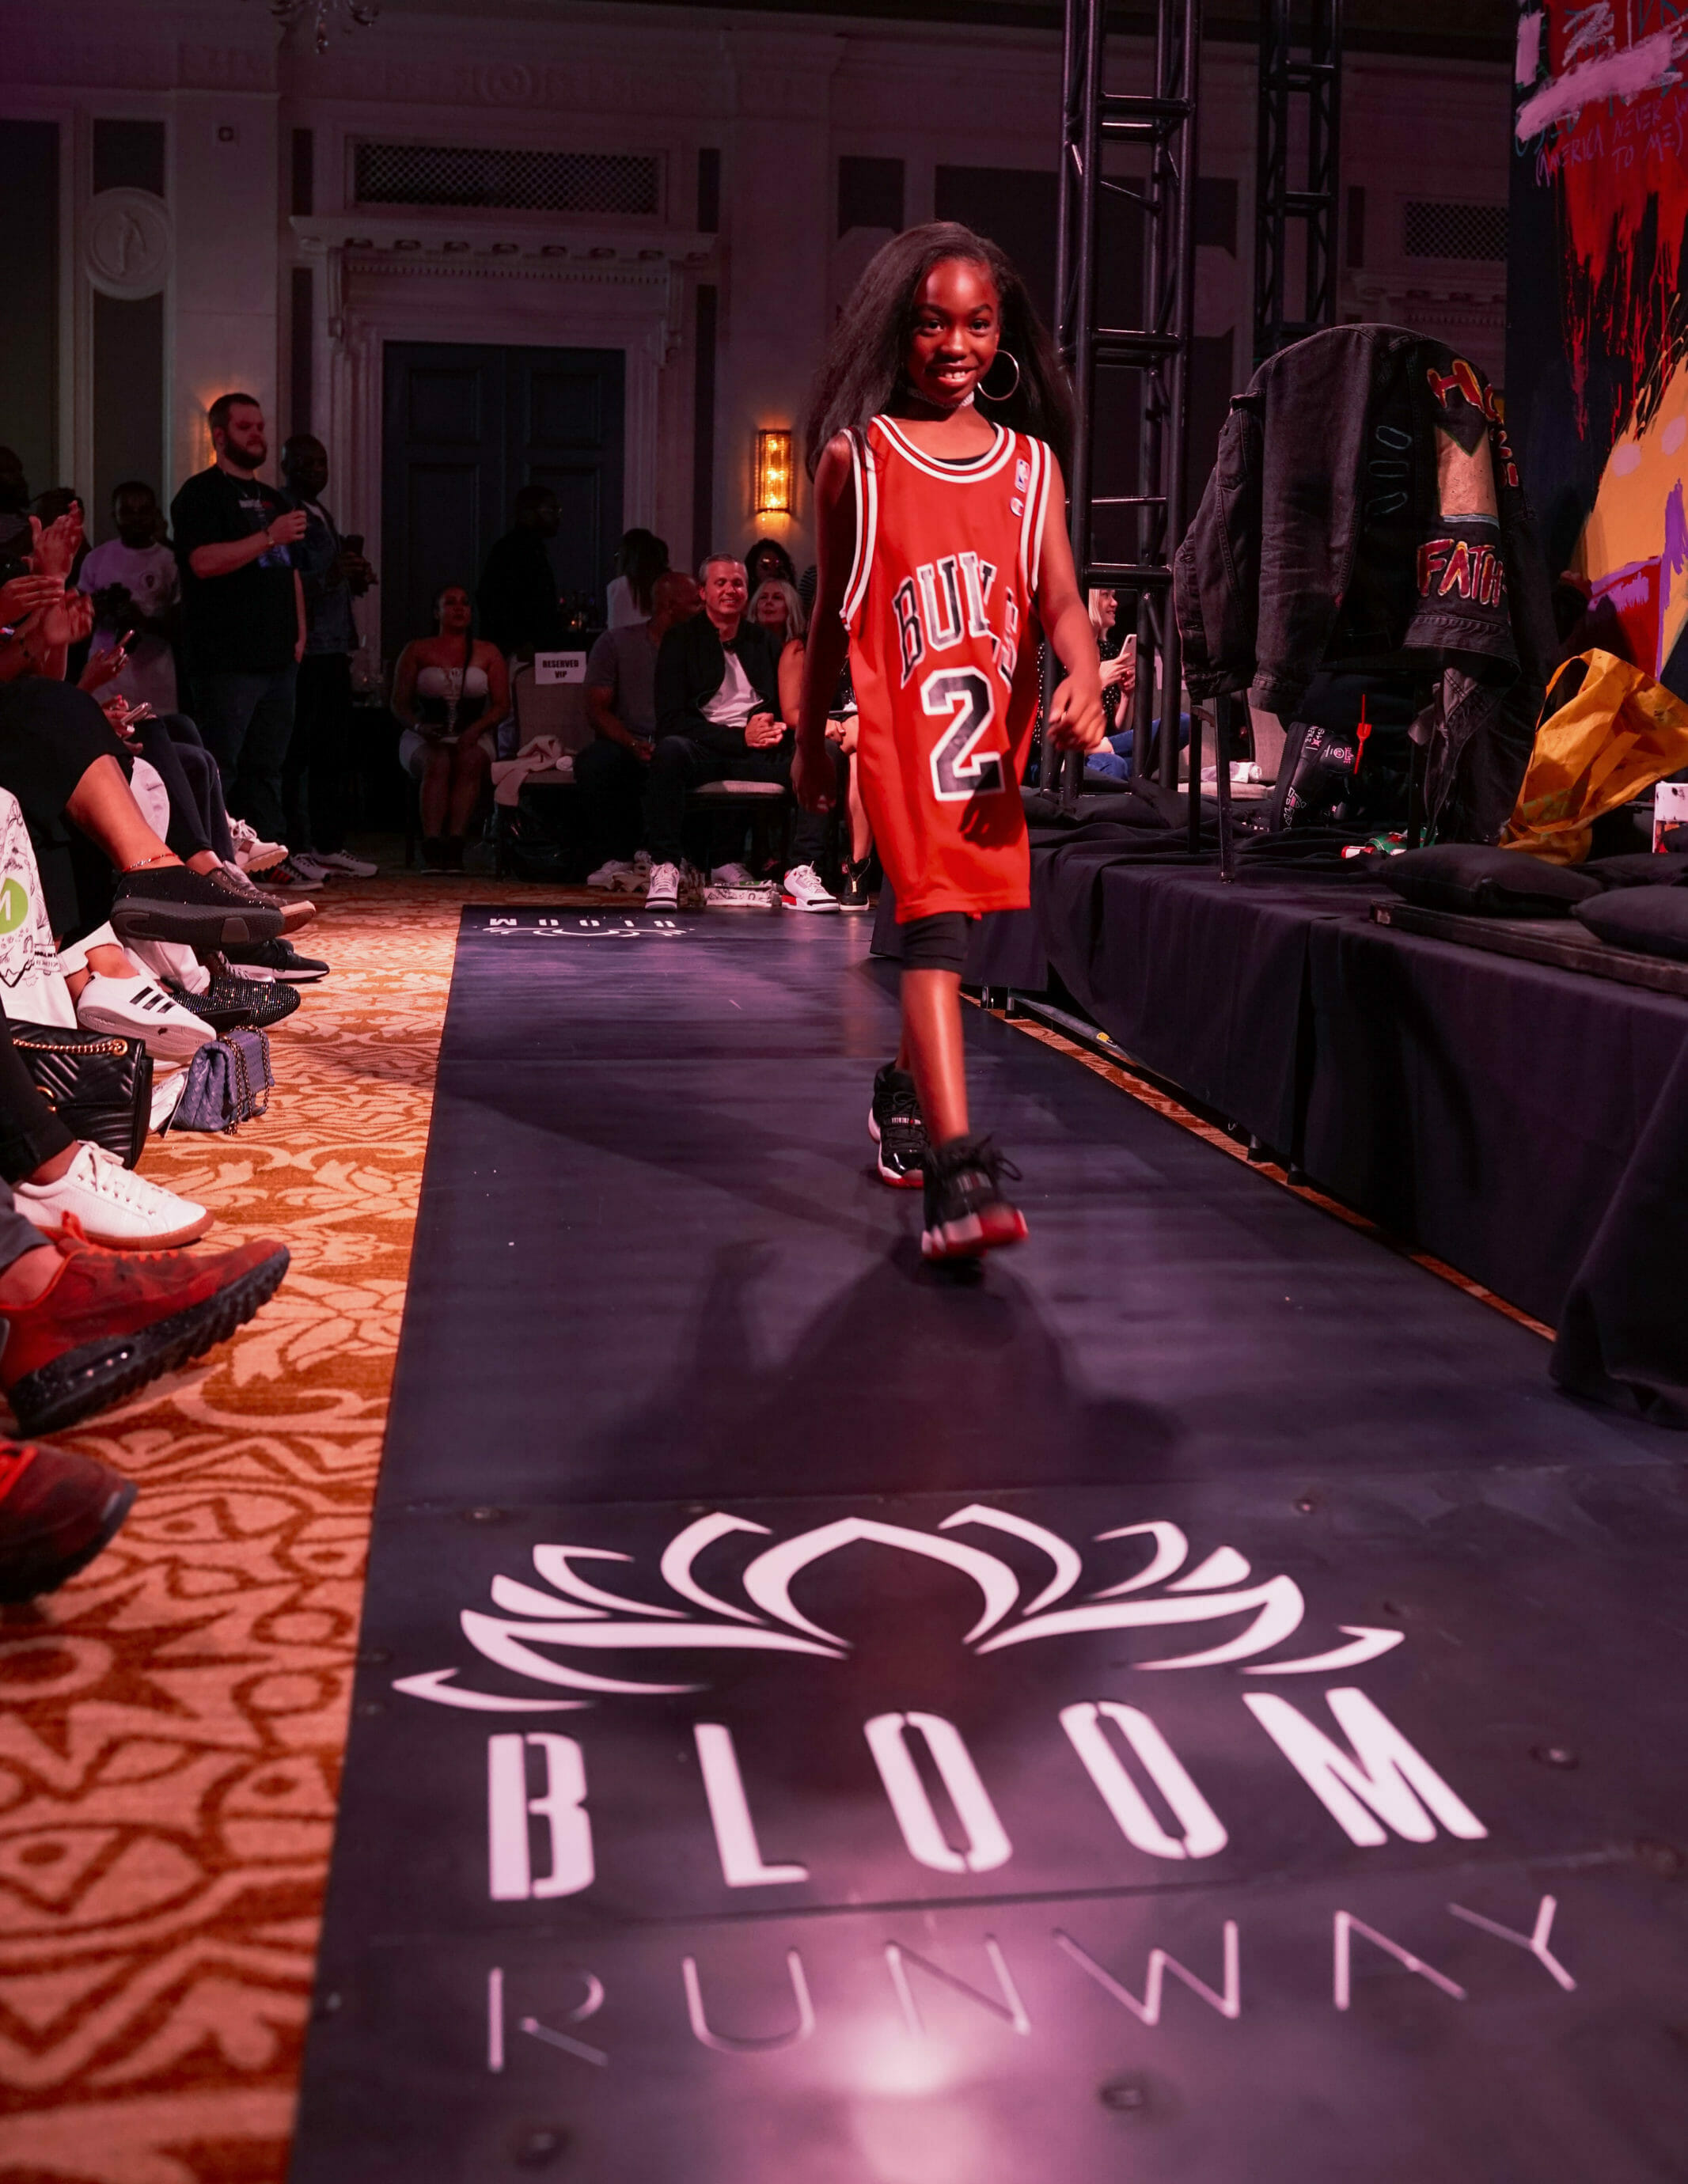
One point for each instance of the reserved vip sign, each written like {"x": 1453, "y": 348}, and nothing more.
{"x": 739, "y": 1833}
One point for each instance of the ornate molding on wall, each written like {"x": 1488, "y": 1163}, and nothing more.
{"x": 128, "y": 241}
{"x": 571, "y": 87}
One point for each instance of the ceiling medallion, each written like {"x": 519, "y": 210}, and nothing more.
{"x": 320, "y": 13}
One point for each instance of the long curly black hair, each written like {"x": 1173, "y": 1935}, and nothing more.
{"x": 863, "y": 365}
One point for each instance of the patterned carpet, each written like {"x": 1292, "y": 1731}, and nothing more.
{"x": 171, "y": 1723}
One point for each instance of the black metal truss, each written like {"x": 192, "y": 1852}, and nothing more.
{"x": 1312, "y": 73}
{"x": 1161, "y": 122}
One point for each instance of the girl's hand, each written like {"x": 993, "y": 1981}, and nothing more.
{"x": 1076, "y": 719}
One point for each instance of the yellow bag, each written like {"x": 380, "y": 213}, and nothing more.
{"x": 1619, "y": 734}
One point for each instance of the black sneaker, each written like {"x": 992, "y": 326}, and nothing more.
{"x": 966, "y": 1213}
{"x": 169, "y": 902}
{"x": 852, "y": 887}
{"x": 240, "y": 1004}
{"x": 281, "y": 957}
{"x": 895, "y": 1126}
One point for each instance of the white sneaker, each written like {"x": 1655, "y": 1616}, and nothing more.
{"x": 733, "y": 876}
{"x": 135, "y": 1008}
{"x": 252, "y": 854}
{"x": 352, "y": 868}
{"x": 740, "y": 898}
{"x": 115, "y": 1208}
{"x": 309, "y": 866}
{"x": 805, "y": 889}
{"x": 664, "y": 890}
{"x": 611, "y": 875}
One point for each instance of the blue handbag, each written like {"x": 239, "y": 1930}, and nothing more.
{"x": 229, "y": 1082}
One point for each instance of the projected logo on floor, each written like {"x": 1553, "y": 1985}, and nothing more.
{"x": 647, "y": 1804}
{"x": 581, "y": 1616}
{"x": 586, "y": 925}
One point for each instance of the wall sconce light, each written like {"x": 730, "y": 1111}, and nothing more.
{"x": 773, "y": 473}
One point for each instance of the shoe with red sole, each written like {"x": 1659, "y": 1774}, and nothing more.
{"x": 57, "y": 1510}
{"x": 109, "y": 1321}
{"x": 966, "y": 1214}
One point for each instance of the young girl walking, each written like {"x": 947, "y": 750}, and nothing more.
{"x": 936, "y": 437}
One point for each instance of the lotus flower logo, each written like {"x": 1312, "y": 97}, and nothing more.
{"x": 546, "y": 1638}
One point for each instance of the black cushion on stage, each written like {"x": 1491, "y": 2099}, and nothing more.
{"x": 1485, "y": 883}
{"x": 1638, "y": 869}
{"x": 1652, "y": 920}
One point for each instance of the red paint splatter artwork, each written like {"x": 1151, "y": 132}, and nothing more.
{"x": 1604, "y": 105}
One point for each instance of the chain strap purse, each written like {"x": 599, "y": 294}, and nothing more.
{"x": 229, "y": 1082}
{"x": 99, "y": 1085}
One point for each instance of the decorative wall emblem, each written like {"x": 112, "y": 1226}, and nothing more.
{"x": 130, "y": 239}
{"x": 541, "y": 1635}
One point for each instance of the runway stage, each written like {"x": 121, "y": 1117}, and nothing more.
{"x": 1192, "y": 1703}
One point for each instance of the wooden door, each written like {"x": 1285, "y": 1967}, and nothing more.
{"x": 463, "y": 424}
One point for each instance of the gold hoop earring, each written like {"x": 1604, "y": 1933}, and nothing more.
{"x": 1008, "y": 394}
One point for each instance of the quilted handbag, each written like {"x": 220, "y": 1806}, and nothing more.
{"x": 98, "y": 1084}
{"x": 228, "y": 1083}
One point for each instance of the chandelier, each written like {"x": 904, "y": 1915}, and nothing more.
{"x": 320, "y": 13}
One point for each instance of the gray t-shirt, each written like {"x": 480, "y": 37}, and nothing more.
{"x": 623, "y": 662}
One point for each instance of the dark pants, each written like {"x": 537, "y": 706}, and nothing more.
{"x": 198, "y": 819}
{"x": 683, "y": 763}
{"x": 319, "y": 756}
{"x": 247, "y": 722}
{"x": 50, "y": 734}
{"x": 611, "y": 781}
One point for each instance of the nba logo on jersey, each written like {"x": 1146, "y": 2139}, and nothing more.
{"x": 1022, "y": 474}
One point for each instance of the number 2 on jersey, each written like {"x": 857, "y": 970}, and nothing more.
{"x": 960, "y": 771}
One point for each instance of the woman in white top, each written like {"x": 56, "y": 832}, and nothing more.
{"x": 640, "y": 558}
{"x": 448, "y": 693}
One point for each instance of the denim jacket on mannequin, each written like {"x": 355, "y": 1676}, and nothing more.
{"x": 1365, "y": 513}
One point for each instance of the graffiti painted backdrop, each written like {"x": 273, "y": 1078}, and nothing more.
{"x": 1597, "y": 333}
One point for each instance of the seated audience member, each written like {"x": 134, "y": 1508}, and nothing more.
{"x": 767, "y": 558}
{"x": 520, "y": 606}
{"x": 853, "y": 872}
{"x": 333, "y": 573}
{"x": 1113, "y": 761}
{"x": 777, "y": 610}
{"x": 449, "y": 692}
{"x": 104, "y": 872}
{"x": 718, "y": 719}
{"x": 137, "y": 590}
{"x": 621, "y": 703}
{"x": 640, "y": 558}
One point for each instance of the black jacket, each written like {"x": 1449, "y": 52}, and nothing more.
{"x": 1365, "y": 514}
{"x": 691, "y": 665}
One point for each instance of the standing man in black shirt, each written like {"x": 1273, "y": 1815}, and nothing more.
{"x": 517, "y": 593}
{"x": 244, "y": 615}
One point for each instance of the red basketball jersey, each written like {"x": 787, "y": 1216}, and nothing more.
{"x": 944, "y": 653}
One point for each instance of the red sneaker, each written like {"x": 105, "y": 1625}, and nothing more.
{"x": 111, "y": 1321}
{"x": 57, "y": 1511}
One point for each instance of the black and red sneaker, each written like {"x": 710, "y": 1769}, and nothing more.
{"x": 966, "y": 1214}
{"x": 57, "y": 1510}
{"x": 897, "y": 1129}
{"x": 109, "y": 1322}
